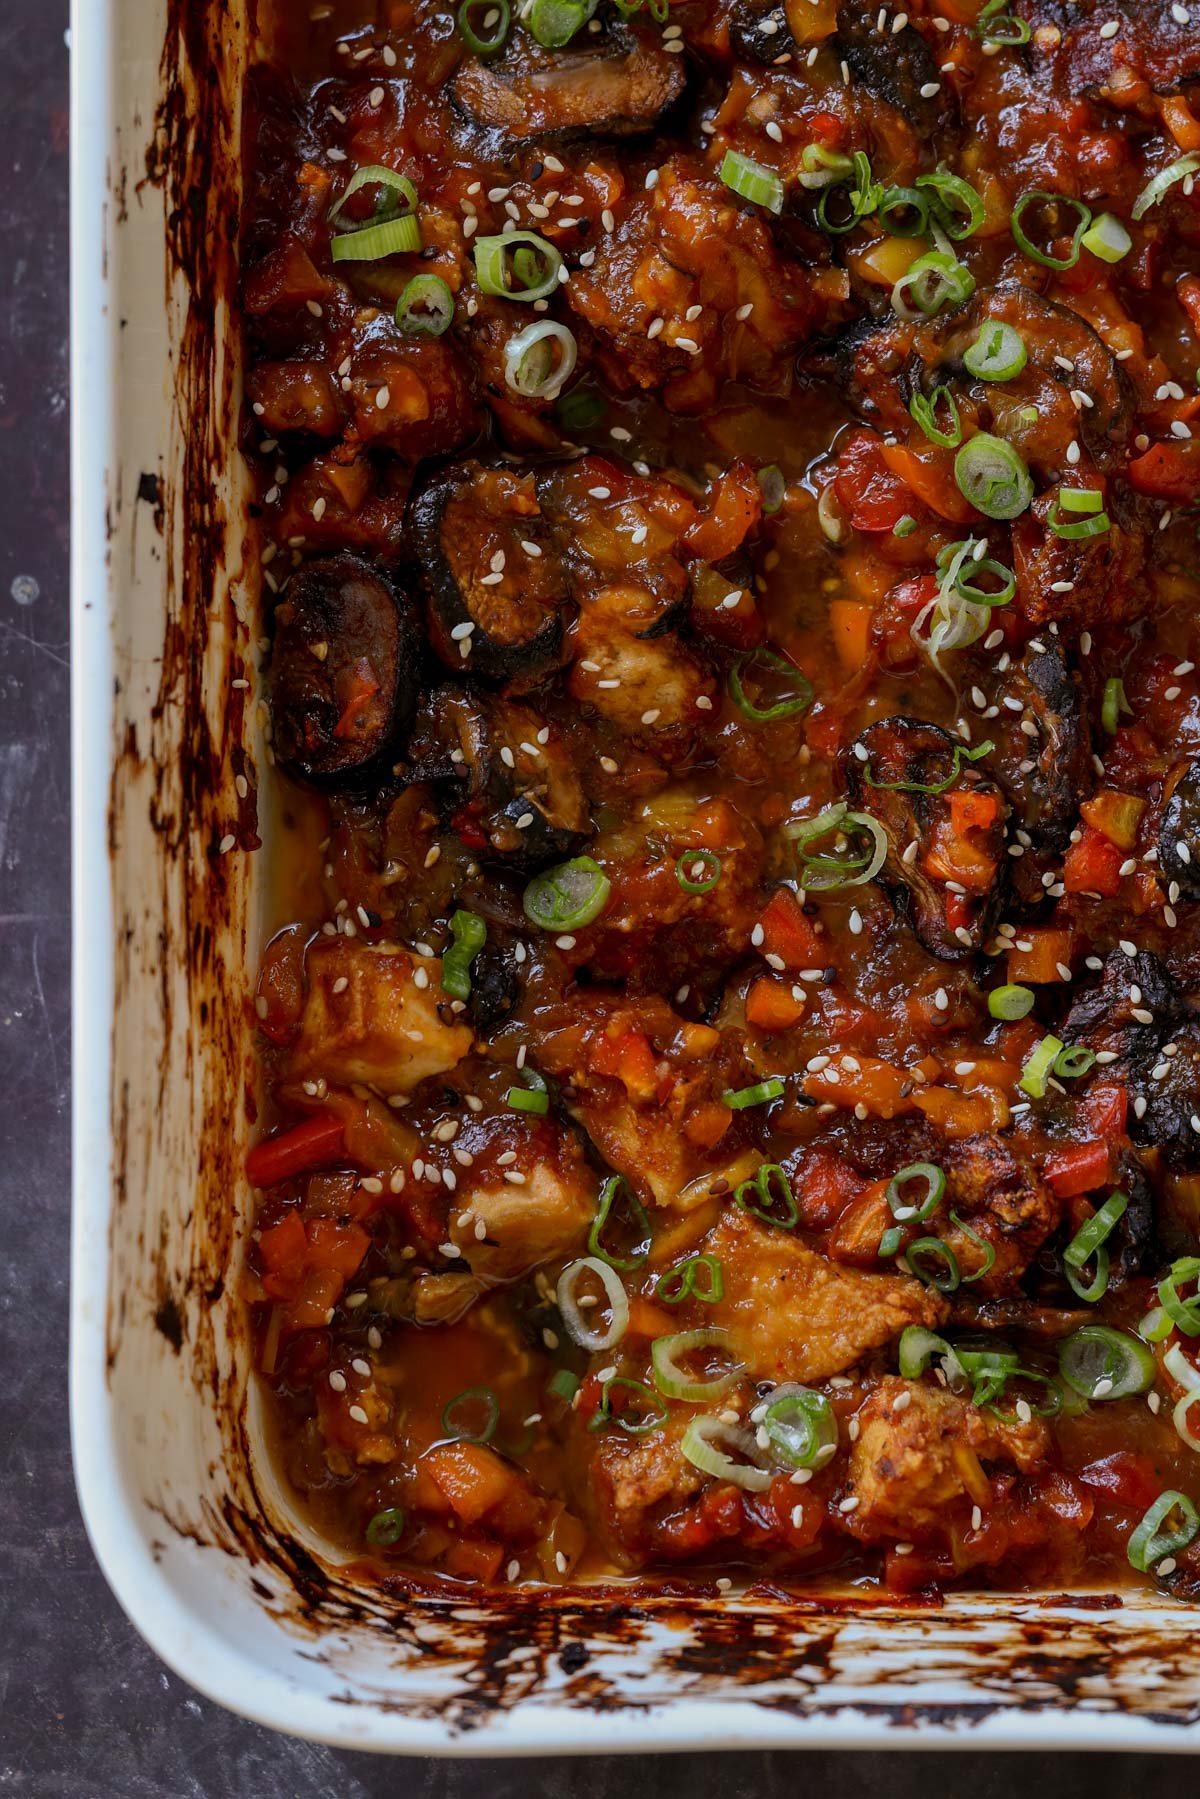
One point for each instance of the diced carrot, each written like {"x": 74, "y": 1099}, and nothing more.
{"x": 789, "y": 934}
{"x": 1115, "y": 815}
{"x": 862, "y": 1081}
{"x": 824, "y": 1189}
{"x": 1093, "y": 865}
{"x": 1049, "y": 945}
{"x": 850, "y": 627}
{"x": 1107, "y": 1109}
{"x": 471, "y": 1560}
{"x": 963, "y": 1114}
{"x": 1180, "y": 121}
{"x": 772, "y": 1005}
{"x": 332, "y": 1244}
{"x": 647, "y": 1320}
{"x": 735, "y": 509}
{"x": 630, "y": 1058}
{"x": 470, "y": 1476}
{"x": 706, "y": 1123}
{"x": 1169, "y": 471}
{"x": 283, "y": 1245}
{"x": 930, "y": 476}
{"x": 318, "y": 1142}
{"x": 1079, "y": 1168}
{"x": 972, "y": 810}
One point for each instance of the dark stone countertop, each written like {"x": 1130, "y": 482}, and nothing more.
{"x": 86, "y": 1711}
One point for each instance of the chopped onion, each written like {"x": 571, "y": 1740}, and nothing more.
{"x": 577, "y": 1326}
{"x": 529, "y": 363}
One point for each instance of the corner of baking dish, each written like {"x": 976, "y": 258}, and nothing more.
{"x": 182, "y": 1511}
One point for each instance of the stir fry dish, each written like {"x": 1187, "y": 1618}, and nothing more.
{"x": 727, "y": 483}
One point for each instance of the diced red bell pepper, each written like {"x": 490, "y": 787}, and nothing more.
{"x": 873, "y": 497}
{"x": 1093, "y": 865}
{"x": 317, "y": 1142}
{"x": 1169, "y": 471}
{"x": 1107, "y": 1108}
{"x": 789, "y": 934}
{"x": 734, "y": 512}
{"x": 1129, "y": 1479}
{"x": 1080, "y": 1168}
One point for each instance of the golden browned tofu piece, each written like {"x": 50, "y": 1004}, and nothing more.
{"x": 920, "y": 1450}
{"x": 793, "y": 1315}
{"x": 542, "y": 1221}
{"x": 374, "y": 1017}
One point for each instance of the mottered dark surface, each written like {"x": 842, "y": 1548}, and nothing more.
{"x": 86, "y": 1710}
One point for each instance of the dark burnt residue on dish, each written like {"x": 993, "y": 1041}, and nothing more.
{"x": 460, "y": 1653}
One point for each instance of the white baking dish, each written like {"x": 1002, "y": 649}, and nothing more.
{"x": 186, "y": 1521}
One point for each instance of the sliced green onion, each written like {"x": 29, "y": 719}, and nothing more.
{"x": 1180, "y": 1366}
{"x": 1150, "y": 1544}
{"x": 1113, "y": 704}
{"x": 933, "y": 282}
{"x": 563, "y": 1385}
{"x": 976, "y": 595}
{"x": 497, "y": 11}
{"x": 1101, "y": 1363}
{"x": 820, "y": 167}
{"x": 768, "y": 1196}
{"x": 1097, "y": 1287}
{"x": 1156, "y": 1326}
{"x": 1152, "y": 193}
{"x": 862, "y": 197}
{"x": 618, "y": 1187}
{"x": 699, "y": 1446}
{"x": 989, "y": 1371}
{"x": 1076, "y": 529}
{"x": 1010, "y": 1002}
{"x": 992, "y": 477}
{"x": 1081, "y": 499}
{"x": 1051, "y": 1409}
{"x": 767, "y": 665}
{"x": 890, "y": 1243}
{"x": 948, "y": 1278}
{"x": 917, "y": 1347}
{"x": 998, "y": 353}
{"x": 801, "y": 1426}
{"x": 470, "y": 935}
{"x": 1098, "y": 1228}
{"x": 540, "y": 360}
{"x": 532, "y": 1096}
{"x": 995, "y": 26}
{"x": 751, "y": 180}
{"x": 386, "y": 1527}
{"x": 1107, "y": 238}
{"x": 903, "y": 212}
{"x": 844, "y": 865}
{"x": 1073, "y": 1062}
{"x": 699, "y": 1277}
{"x": 1038, "y": 1066}
{"x": 761, "y": 1094}
{"x": 394, "y": 237}
{"x": 461, "y": 1417}
{"x": 923, "y": 408}
{"x": 426, "y": 307}
{"x": 1183, "y": 1313}
{"x": 577, "y": 1326}
{"x": 579, "y": 410}
{"x": 375, "y": 175}
{"x": 568, "y": 896}
{"x": 698, "y": 871}
{"x": 958, "y": 207}
{"x": 647, "y": 1412}
{"x": 1181, "y": 1421}
{"x": 532, "y": 276}
{"x": 555, "y": 22}
{"x": 1039, "y": 197}
{"x": 674, "y": 1381}
{"x": 773, "y": 487}
{"x": 907, "y": 1209}
{"x": 904, "y": 526}
{"x": 960, "y": 755}
{"x": 989, "y": 1253}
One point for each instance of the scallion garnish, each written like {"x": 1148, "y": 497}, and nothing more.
{"x": 751, "y": 180}
{"x": 801, "y": 1426}
{"x": 917, "y": 1346}
{"x": 1107, "y": 238}
{"x": 1050, "y": 203}
{"x": 946, "y": 1278}
{"x": 958, "y": 208}
{"x": 1038, "y": 1066}
{"x": 642, "y": 1412}
{"x": 909, "y": 1207}
{"x": 1073, "y": 1061}
{"x": 772, "y": 487}
{"x": 1010, "y": 1002}
{"x": 1113, "y": 704}
{"x": 472, "y": 1416}
{"x": 992, "y": 477}
{"x": 519, "y": 266}
{"x": 998, "y": 353}
{"x": 386, "y": 1527}
{"x": 391, "y": 230}
{"x": 1100, "y": 1363}
{"x": 555, "y": 22}
{"x": 1150, "y": 1544}
{"x": 1086, "y": 517}
{"x": 960, "y": 755}
{"x": 768, "y": 1195}
{"x": 540, "y": 360}
{"x": 1152, "y": 193}
{"x": 844, "y": 865}
{"x": 674, "y": 1381}
{"x": 580, "y": 1328}
{"x": 699, "y": 1277}
{"x": 568, "y": 896}
{"x": 563, "y": 1385}
{"x": 614, "y": 1189}
{"x": 1183, "y": 1313}
{"x": 496, "y": 13}
{"x": 923, "y": 408}
{"x": 903, "y": 212}
{"x": 699, "y": 1446}
{"x": 470, "y": 934}
{"x": 698, "y": 871}
{"x": 761, "y": 1094}
{"x": 766, "y": 666}
{"x": 1088, "y": 1244}
{"x": 989, "y": 1253}
{"x": 426, "y": 307}
{"x": 533, "y": 1096}
{"x": 995, "y": 26}
{"x": 931, "y": 284}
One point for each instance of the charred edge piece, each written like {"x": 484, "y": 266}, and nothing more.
{"x": 891, "y": 66}
{"x": 617, "y": 87}
{"x": 1172, "y": 1100}
{"x": 343, "y": 673}
{"x": 1045, "y": 799}
{"x": 1130, "y": 1012}
{"x": 1179, "y": 830}
{"x": 495, "y": 987}
{"x": 1152, "y": 46}
{"x": 908, "y": 749}
{"x": 1133, "y": 1246}
{"x": 760, "y": 33}
{"x": 512, "y": 627}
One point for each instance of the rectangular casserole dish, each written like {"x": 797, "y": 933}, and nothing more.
{"x": 185, "y": 1516}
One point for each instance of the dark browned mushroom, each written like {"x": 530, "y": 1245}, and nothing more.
{"x": 494, "y": 589}
{"x": 1165, "y": 1088}
{"x": 893, "y": 66}
{"x": 343, "y": 673}
{"x": 614, "y": 85}
{"x": 1046, "y": 775}
{"x": 1179, "y": 829}
{"x": 1072, "y": 55}
{"x": 947, "y": 888}
{"x": 759, "y": 31}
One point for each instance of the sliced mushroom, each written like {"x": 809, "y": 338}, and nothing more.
{"x": 760, "y": 32}
{"x": 494, "y": 588}
{"x": 893, "y": 66}
{"x": 1044, "y": 776}
{"x": 343, "y": 673}
{"x": 1130, "y": 1012}
{"x": 1134, "y": 1245}
{"x": 614, "y": 86}
{"x": 495, "y": 986}
{"x": 1179, "y": 830}
{"x": 1067, "y": 43}
{"x": 947, "y": 884}
{"x": 521, "y": 795}
{"x": 1080, "y": 583}
{"x": 1169, "y": 1084}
